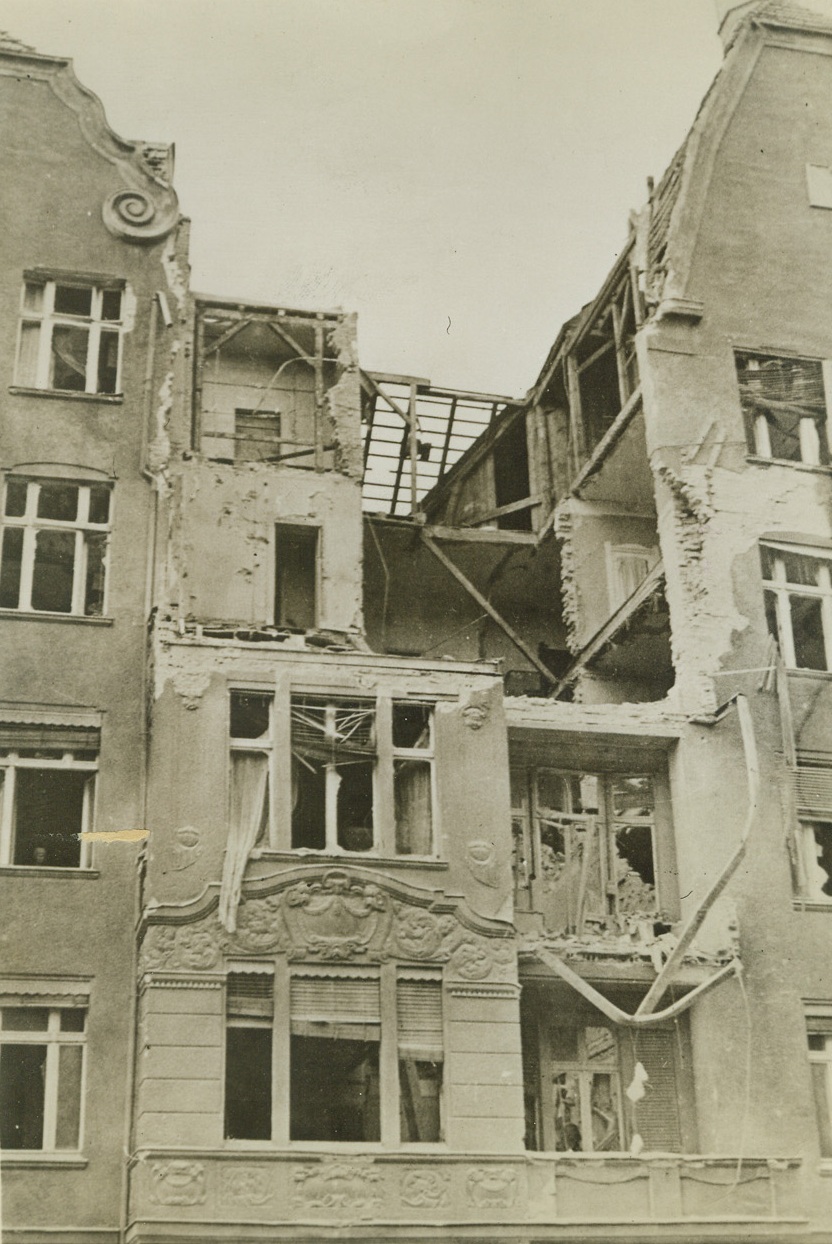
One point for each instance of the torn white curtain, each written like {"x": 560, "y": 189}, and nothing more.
{"x": 249, "y": 784}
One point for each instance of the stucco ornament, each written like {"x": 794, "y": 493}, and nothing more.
{"x": 425, "y": 1189}
{"x": 337, "y": 917}
{"x": 420, "y": 934}
{"x": 475, "y": 959}
{"x": 475, "y": 716}
{"x": 340, "y": 1184}
{"x": 481, "y": 859}
{"x": 186, "y": 850}
{"x": 135, "y": 216}
{"x": 491, "y": 1187}
{"x": 259, "y": 925}
{"x": 177, "y": 1183}
{"x": 245, "y": 1185}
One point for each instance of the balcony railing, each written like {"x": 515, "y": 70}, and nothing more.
{"x": 629, "y": 1196}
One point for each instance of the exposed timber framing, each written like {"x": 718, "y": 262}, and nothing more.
{"x": 486, "y": 604}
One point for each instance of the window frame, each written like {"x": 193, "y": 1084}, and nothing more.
{"x": 813, "y": 430}
{"x": 278, "y": 748}
{"x": 10, "y": 764}
{"x": 387, "y": 976}
{"x": 620, "y": 557}
{"x": 82, "y": 527}
{"x": 46, "y": 318}
{"x": 54, "y": 1039}
{"x": 782, "y": 592}
{"x": 818, "y": 1021}
{"x": 529, "y": 811}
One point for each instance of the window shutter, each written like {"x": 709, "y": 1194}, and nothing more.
{"x": 656, "y": 1116}
{"x": 250, "y": 995}
{"x": 420, "y": 1019}
{"x": 337, "y": 1007}
{"x": 813, "y": 789}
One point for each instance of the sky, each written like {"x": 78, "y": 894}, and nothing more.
{"x": 458, "y": 172}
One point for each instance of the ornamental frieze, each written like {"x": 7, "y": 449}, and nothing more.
{"x": 341, "y": 1185}
{"x": 337, "y": 916}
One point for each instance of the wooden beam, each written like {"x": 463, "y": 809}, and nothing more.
{"x": 623, "y": 379}
{"x": 486, "y": 604}
{"x": 573, "y": 391}
{"x": 289, "y": 340}
{"x": 370, "y": 422}
{"x": 394, "y": 405}
{"x": 447, "y": 441}
{"x": 607, "y": 441}
{"x": 389, "y": 377}
{"x": 414, "y": 450}
{"x": 596, "y": 354}
{"x": 481, "y": 535}
{"x": 527, "y": 503}
{"x": 226, "y": 336}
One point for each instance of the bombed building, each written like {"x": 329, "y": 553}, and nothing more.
{"x": 416, "y": 813}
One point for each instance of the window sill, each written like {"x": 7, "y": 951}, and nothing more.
{"x": 31, "y": 1158}
{"x": 35, "y": 870}
{"x": 793, "y": 672}
{"x": 109, "y": 399}
{"x": 815, "y": 469}
{"x": 33, "y": 616}
{"x": 304, "y": 855}
{"x": 825, "y": 1167}
{"x": 812, "y": 904}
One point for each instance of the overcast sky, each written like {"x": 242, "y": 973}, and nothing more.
{"x": 459, "y": 172}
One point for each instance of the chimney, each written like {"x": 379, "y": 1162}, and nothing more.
{"x": 730, "y": 15}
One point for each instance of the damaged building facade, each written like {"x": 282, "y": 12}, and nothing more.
{"x": 416, "y": 815}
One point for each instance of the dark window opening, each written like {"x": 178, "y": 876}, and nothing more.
{"x": 248, "y": 1056}
{"x": 819, "y": 863}
{"x": 296, "y": 576}
{"x": 600, "y": 395}
{"x": 333, "y": 767}
{"x": 22, "y": 1082}
{"x": 250, "y": 714}
{"x": 807, "y": 630}
{"x": 334, "y": 1090}
{"x": 421, "y": 1060}
{"x": 49, "y": 814}
{"x": 511, "y": 476}
{"x": 420, "y": 1093}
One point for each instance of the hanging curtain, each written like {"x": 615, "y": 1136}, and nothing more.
{"x": 249, "y": 787}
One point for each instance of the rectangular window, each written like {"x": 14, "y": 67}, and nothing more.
{"x": 53, "y": 557}
{"x": 819, "y": 1035}
{"x": 336, "y": 752}
{"x": 70, "y": 337}
{"x": 813, "y": 797}
{"x": 251, "y": 748}
{"x": 249, "y": 1010}
{"x": 784, "y": 404}
{"x": 575, "y": 1070}
{"x": 628, "y": 565}
{"x": 46, "y": 803}
{"x": 296, "y": 577}
{"x": 41, "y": 1077}
{"x": 421, "y": 1058}
{"x": 798, "y": 601}
{"x": 595, "y": 844}
{"x": 334, "y": 1058}
{"x": 256, "y": 435}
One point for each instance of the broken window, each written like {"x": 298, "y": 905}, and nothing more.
{"x": 249, "y": 1019}
{"x": 296, "y": 576}
{"x": 335, "y": 754}
{"x": 256, "y": 435}
{"x": 592, "y": 843}
{"x": 41, "y": 1077}
{"x": 784, "y": 404}
{"x": 334, "y": 1057}
{"x": 46, "y": 800}
{"x": 421, "y": 1058}
{"x": 53, "y": 557}
{"x": 587, "y": 1090}
{"x": 511, "y": 477}
{"x": 70, "y": 337}
{"x": 819, "y": 1035}
{"x": 798, "y": 600}
{"x": 813, "y": 854}
{"x": 583, "y": 1087}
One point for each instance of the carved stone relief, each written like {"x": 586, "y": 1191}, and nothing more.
{"x": 491, "y": 1187}
{"x": 481, "y": 860}
{"x": 333, "y": 918}
{"x": 345, "y": 1185}
{"x": 245, "y": 1185}
{"x": 177, "y": 1183}
{"x": 425, "y": 1189}
{"x": 186, "y": 850}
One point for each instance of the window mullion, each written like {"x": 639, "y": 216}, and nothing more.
{"x": 50, "y": 1089}
{"x": 45, "y": 340}
{"x": 389, "y": 1058}
{"x": 79, "y": 573}
{"x": 384, "y": 809}
{"x": 27, "y": 567}
{"x": 93, "y": 343}
{"x": 784, "y": 618}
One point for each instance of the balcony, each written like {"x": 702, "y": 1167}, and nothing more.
{"x": 381, "y": 1195}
